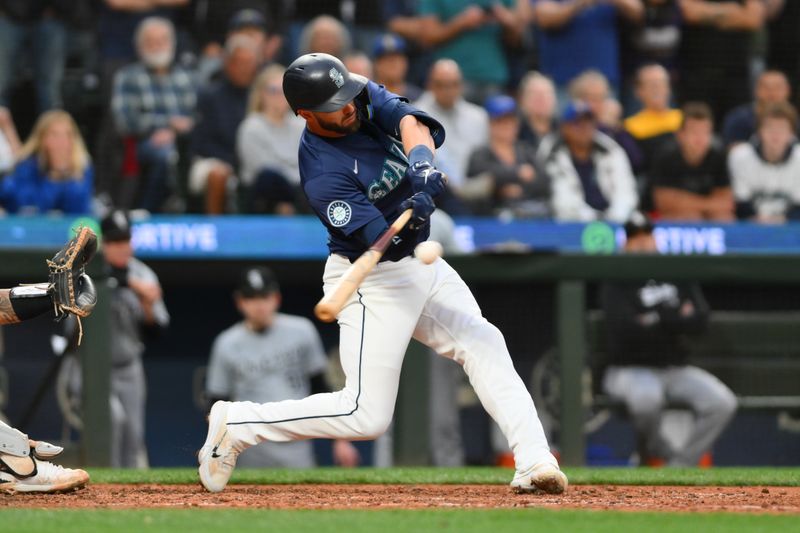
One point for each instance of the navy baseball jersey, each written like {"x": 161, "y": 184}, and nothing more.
{"x": 354, "y": 180}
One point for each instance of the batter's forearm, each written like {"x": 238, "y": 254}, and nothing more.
{"x": 414, "y": 133}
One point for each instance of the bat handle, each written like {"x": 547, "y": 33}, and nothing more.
{"x": 330, "y": 305}
{"x": 385, "y": 239}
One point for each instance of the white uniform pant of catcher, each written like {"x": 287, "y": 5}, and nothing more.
{"x": 396, "y": 301}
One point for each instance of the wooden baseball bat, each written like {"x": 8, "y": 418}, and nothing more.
{"x": 330, "y": 305}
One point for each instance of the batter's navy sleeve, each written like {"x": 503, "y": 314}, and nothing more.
{"x": 388, "y": 109}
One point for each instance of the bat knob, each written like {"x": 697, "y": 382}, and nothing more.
{"x": 324, "y": 312}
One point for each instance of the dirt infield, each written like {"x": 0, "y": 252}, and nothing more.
{"x": 629, "y": 498}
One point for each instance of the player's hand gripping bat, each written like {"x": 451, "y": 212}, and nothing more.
{"x": 330, "y": 304}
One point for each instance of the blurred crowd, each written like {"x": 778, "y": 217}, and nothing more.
{"x": 571, "y": 110}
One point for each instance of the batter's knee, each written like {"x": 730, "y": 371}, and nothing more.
{"x": 370, "y": 427}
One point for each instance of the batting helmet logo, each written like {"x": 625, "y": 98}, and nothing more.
{"x": 336, "y": 77}
{"x": 339, "y": 213}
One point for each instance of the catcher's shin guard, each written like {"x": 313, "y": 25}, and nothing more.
{"x": 13, "y": 441}
{"x": 15, "y": 452}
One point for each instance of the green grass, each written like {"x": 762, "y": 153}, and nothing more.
{"x": 246, "y": 520}
{"x": 577, "y": 476}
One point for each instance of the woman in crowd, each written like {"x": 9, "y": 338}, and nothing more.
{"x": 267, "y": 144}
{"x": 54, "y": 172}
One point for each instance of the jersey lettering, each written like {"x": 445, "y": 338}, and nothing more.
{"x": 391, "y": 174}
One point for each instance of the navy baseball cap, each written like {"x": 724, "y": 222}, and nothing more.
{"x": 576, "y": 110}
{"x": 257, "y": 281}
{"x": 500, "y": 105}
{"x": 247, "y": 18}
{"x": 388, "y": 43}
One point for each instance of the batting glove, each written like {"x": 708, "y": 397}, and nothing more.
{"x": 426, "y": 178}
{"x": 422, "y": 206}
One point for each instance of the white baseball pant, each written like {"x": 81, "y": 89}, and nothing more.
{"x": 396, "y": 301}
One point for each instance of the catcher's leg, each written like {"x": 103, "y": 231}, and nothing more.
{"x": 23, "y": 467}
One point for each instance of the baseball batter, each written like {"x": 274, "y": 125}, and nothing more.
{"x": 365, "y": 156}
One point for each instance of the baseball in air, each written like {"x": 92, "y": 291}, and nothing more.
{"x": 428, "y": 251}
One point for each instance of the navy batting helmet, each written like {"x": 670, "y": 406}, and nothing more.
{"x": 320, "y": 82}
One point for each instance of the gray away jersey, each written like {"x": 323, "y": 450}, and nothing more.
{"x": 266, "y": 367}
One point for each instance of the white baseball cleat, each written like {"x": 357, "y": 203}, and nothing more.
{"x": 543, "y": 478}
{"x": 48, "y": 478}
{"x": 218, "y": 455}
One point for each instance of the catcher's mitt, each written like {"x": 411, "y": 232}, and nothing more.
{"x": 71, "y": 290}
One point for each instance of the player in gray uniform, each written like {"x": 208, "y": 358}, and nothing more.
{"x": 136, "y": 306}
{"x": 648, "y": 361}
{"x": 269, "y": 357}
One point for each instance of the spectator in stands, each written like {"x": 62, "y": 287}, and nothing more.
{"x": 358, "y": 63}
{"x": 54, "y": 173}
{"x": 270, "y": 356}
{"x": 221, "y": 107}
{"x": 690, "y": 177}
{"x": 466, "y": 124}
{"x": 783, "y": 46}
{"x": 473, "y": 37}
{"x": 9, "y": 142}
{"x": 261, "y": 20}
{"x": 740, "y": 123}
{"x": 153, "y": 102}
{"x": 402, "y": 19}
{"x": 327, "y": 35}
{"x": 117, "y": 23}
{"x": 538, "y": 106}
{"x": 267, "y": 144}
{"x": 653, "y": 40}
{"x": 37, "y": 28}
{"x": 765, "y": 172}
{"x": 655, "y": 124}
{"x": 391, "y": 66}
{"x": 520, "y": 187}
{"x": 578, "y": 35}
{"x": 592, "y": 87}
{"x": 646, "y": 324}
{"x": 591, "y": 175}
{"x": 715, "y": 51}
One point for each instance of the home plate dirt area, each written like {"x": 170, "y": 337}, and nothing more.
{"x": 346, "y": 496}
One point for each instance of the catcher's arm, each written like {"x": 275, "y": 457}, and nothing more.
{"x": 68, "y": 291}
{"x": 333, "y": 302}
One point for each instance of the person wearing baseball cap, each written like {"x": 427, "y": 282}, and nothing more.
{"x": 518, "y": 186}
{"x": 270, "y": 356}
{"x": 646, "y": 359}
{"x": 390, "y": 64}
{"x": 136, "y": 306}
{"x": 592, "y": 177}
